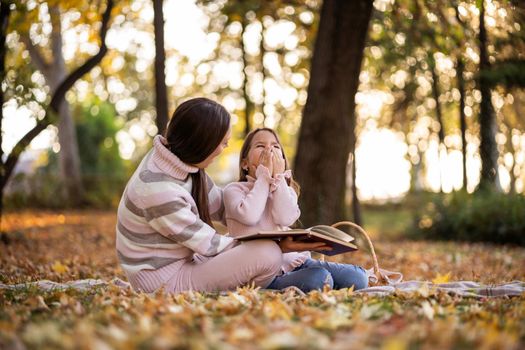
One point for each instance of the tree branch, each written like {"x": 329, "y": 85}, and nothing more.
{"x": 59, "y": 96}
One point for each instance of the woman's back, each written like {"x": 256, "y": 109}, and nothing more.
{"x": 158, "y": 228}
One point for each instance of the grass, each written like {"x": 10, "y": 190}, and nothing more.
{"x": 63, "y": 246}
{"x": 387, "y": 222}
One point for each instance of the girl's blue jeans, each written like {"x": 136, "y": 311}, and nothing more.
{"x": 314, "y": 274}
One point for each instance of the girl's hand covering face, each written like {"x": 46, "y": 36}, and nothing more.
{"x": 266, "y": 159}
{"x": 278, "y": 163}
{"x": 266, "y": 150}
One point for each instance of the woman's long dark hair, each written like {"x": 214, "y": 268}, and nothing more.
{"x": 244, "y": 154}
{"x": 195, "y": 130}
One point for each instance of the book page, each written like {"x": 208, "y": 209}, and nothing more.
{"x": 332, "y": 232}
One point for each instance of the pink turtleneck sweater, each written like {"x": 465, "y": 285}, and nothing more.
{"x": 158, "y": 225}
{"x": 264, "y": 203}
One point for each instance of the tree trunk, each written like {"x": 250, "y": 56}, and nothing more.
{"x": 161, "y": 93}
{"x": 5, "y": 11}
{"x": 462, "y": 118}
{"x": 262, "y": 49}
{"x": 248, "y": 105}
{"x": 356, "y": 206}
{"x": 327, "y": 128}
{"x": 439, "y": 116}
{"x": 416, "y": 184}
{"x": 516, "y": 171}
{"x": 487, "y": 119}
{"x": 69, "y": 157}
{"x": 512, "y": 170}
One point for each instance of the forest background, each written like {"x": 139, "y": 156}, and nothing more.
{"x": 408, "y": 100}
{"x": 406, "y": 116}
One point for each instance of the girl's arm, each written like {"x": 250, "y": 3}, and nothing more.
{"x": 176, "y": 221}
{"x": 244, "y": 206}
{"x": 283, "y": 201}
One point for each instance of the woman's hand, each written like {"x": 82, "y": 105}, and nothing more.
{"x": 278, "y": 163}
{"x": 289, "y": 245}
{"x": 266, "y": 159}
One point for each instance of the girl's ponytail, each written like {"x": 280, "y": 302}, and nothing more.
{"x": 199, "y": 192}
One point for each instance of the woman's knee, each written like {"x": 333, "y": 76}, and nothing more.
{"x": 266, "y": 253}
{"x": 317, "y": 278}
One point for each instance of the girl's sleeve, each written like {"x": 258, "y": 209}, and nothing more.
{"x": 176, "y": 221}
{"x": 247, "y": 206}
{"x": 294, "y": 259}
{"x": 284, "y": 207}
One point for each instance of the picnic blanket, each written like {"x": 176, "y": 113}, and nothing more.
{"x": 463, "y": 288}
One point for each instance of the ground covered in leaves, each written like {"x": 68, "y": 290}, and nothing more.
{"x": 64, "y": 246}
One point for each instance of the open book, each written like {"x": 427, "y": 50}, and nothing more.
{"x": 340, "y": 241}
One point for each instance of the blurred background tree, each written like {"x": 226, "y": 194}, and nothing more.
{"x": 327, "y": 135}
{"x": 161, "y": 93}
{"x": 102, "y": 167}
{"x": 400, "y": 131}
{"x": 57, "y": 102}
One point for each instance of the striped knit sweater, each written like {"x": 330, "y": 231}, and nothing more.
{"x": 158, "y": 226}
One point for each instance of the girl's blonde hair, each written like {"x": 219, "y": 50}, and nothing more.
{"x": 244, "y": 154}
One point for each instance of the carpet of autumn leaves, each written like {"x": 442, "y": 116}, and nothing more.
{"x": 65, "y": 246}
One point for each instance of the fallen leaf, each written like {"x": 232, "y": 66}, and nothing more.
{"x": 441, "y": 278}
{"x": 59, "y": 268}
{"x": 427, "y": 310}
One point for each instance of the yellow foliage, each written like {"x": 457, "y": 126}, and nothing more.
{"x": 248, "y": 318}
{"x": 394, "y": 344}
{"x": 276, "y": 309}
{"x": 59, "y": 268}
{"x": 441, "y": 278}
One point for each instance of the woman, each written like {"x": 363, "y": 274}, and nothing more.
{"x": 165, "y": 237}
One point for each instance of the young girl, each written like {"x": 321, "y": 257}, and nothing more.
{"x": 265, "y": 198}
